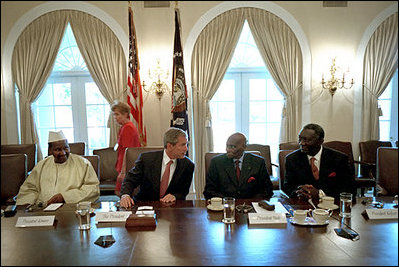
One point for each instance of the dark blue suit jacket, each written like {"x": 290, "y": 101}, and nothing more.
{"x": 221, "y": 180}
{"x": 335, "y": 175}
{"x": 147, "y": 174}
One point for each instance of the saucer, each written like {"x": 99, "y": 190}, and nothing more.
{"x": 210, "y": 207}
{"x": 332, "y": 207}
{"x": 309, "y": 221}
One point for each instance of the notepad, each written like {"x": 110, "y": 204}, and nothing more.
{"x": 53, "y": 207}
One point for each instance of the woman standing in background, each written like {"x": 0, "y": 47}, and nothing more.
{"x": 128, "y": 136}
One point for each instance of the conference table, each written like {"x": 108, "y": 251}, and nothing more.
{"x": 187, "y": 233}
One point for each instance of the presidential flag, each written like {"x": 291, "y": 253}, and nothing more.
{"x": 179, "y": 89}
{"x": 134, "y": 90}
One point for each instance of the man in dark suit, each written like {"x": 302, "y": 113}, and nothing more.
{"x": 247, "y": 178}
{"x": 330, "y": 174}
{"x": 162, "y": 175}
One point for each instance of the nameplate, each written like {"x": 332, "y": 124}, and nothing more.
{"x": 113, "y": 216}
{"x": 375, "y": 214}
{"x": 145, "y": 212}
{"x": 32, "y": 221}
{"x": 267, "y": 218}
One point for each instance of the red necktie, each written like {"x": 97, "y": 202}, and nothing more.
{"x": 165, "y": 179}
{"x": 238, "y": 171}
{"x": 315, "y": 170}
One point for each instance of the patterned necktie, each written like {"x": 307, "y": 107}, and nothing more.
{"x": 165, "y": 179}
{"x": 315, "y": 170}
{"x": 238, "y": 171}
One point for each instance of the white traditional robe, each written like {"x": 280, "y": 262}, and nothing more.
{"x": 75, "y": 179}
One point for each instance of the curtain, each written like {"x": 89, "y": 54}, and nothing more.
{"x": 104, "y": 58}
{"x": 211, "y": 57}
{"x": 32, "y": 62}
{"x": 380, "y": 64}
{"x": 282, "y": 55}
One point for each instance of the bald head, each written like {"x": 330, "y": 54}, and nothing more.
{"x": 236, "y": 145}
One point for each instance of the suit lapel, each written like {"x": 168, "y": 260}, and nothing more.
{"x": 245, "y": 168}
{"x": 156, "y": 172}
{"x": 230, "y": 169}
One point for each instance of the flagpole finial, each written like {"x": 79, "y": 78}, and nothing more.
{"x": 176, "y": 4}
{"x": 130, "y": 3}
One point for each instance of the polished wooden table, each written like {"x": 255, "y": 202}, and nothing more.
{"x": 189, "y": 234}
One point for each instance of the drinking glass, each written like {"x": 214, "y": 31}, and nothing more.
{"x": 228, "y": 210}
{"x": 345, "y": 205}
{"x": 83, "y": 211}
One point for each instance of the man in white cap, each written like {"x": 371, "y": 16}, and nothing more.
{"x": 62, "y": 177}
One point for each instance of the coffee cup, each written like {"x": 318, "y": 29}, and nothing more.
{"x": 215, "y": 202}
{"x": 327, "y": 201}
{"x": 300, "y": 216}
{"x": 320, "y": 215}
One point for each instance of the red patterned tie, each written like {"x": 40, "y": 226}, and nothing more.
{"x": 165, "y": 179}
{"x": 238, "y": 171}
{"x": 315, "y": 170}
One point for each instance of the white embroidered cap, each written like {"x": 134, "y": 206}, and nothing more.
{"x": 56, "y": 136}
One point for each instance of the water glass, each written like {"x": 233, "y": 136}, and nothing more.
{"x": 228, "y": 210}
{"x": 345, "y": 205}
{"x": 83, "y": 211}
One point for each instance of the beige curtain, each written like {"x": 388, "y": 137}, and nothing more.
{"x": 32, "y": 61}
{"x": 104, "y": 58}
{"x": 282, "y": 55}
{"x": 380, "y": 63}
{"x": 211, "y": 57}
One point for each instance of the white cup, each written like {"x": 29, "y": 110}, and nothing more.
{"x": 300, "y": 216}
{"x": 215, "y": 202}
{"x": 327, "y": 201}
{"x": 320, "y": 215}
{"x": 83, "y": 211}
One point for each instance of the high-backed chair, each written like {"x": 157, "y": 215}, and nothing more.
{"x": 288, "y": 146}
{"x": 368, "y": 154}
{"x": 387, "y": 170}
{"x": 132, "y": 153}
{"x": 95, "y": 162}
{"x": 362, "y": 182}
{"x": 77, "y": 148}
{"x": 265, "y": 153}
{"x": 28, "y": 149}
{"x": 13, "y": 175}
{"x": 108, "y": 174}
{"x": 281, "y": 163}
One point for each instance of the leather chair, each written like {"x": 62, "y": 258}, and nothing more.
{"x": 95, "y": 162}
{"x": 265, "y": 153}
{"x": 387, "y": 170}
{"x": 28, "y": 149}
{"x": 77, "y": 148}
{"x": 13, "y": 174}
{"x": 362, "y": 182}
{"x": 368, "y": 154}
{"x": 288, "y": 146}
{"x": 281, "y": 163}
{"x": 132, "y": 153}
{"x": 108, "y": 174}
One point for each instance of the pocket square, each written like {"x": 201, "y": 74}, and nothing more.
{"x": 333, "y": 174}
{"x": 251, "y": 179}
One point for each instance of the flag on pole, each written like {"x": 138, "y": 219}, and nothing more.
{"x": 179, "y": 88}
{"x": 134, "y": 90}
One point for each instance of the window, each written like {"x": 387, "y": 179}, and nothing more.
{"x": 388, "y": 104}
{"x": 71, "y": 101}
{"x": 247, "y": 100}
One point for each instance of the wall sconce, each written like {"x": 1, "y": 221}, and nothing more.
{"x": 158, "y": 87}
{"x": 333, "y": 84}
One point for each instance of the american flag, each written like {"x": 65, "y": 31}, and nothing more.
{"x": 134, "y": 90}
{"x": 179, "y": 88}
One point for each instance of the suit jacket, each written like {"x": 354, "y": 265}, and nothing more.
{"x": 147, "y": 174}
{"x": 221, "y": 180}
{"x": 335, "y": 174}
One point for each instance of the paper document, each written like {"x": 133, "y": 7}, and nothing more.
{"x": 53, "y": 206}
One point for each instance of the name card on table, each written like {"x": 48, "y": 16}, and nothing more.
{"x": 382, "y": 213}
{"x": 113, "y": 216}
{"x": 267, "y": 218}
{"x": 35, "y": 221}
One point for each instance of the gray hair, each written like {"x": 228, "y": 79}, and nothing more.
{"x": 317, "y": 128}
{"x": 172, "y": 134}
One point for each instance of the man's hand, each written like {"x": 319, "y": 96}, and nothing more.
{"x": 168, "y": 198}
{"x": 126, "y": 201}
{"x": 56, "y": 199}
{"x": 307, "y": 191}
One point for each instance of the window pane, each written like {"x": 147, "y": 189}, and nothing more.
{"x": 46, "y": 96}
{"x": 45, "y": 117}
{"x": 257, "y": 89}
{"x": 257, "y": 111}
{"x": 273, "y": 133}
{"x": 384, "y": 130}
{"x": 63, "y": 116}
{"x": 97, "y": 137}
{"x": 257, "y": 133}
{"x": 62, "y": 93}
{"x": 68, "y": 132}
{"x": 225, "y": 91}
{"x": 272, "y": 92}
{"x": 273, "y": 110}
{"x": 93, "y": 94}
{"x": 95, "y": 115}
